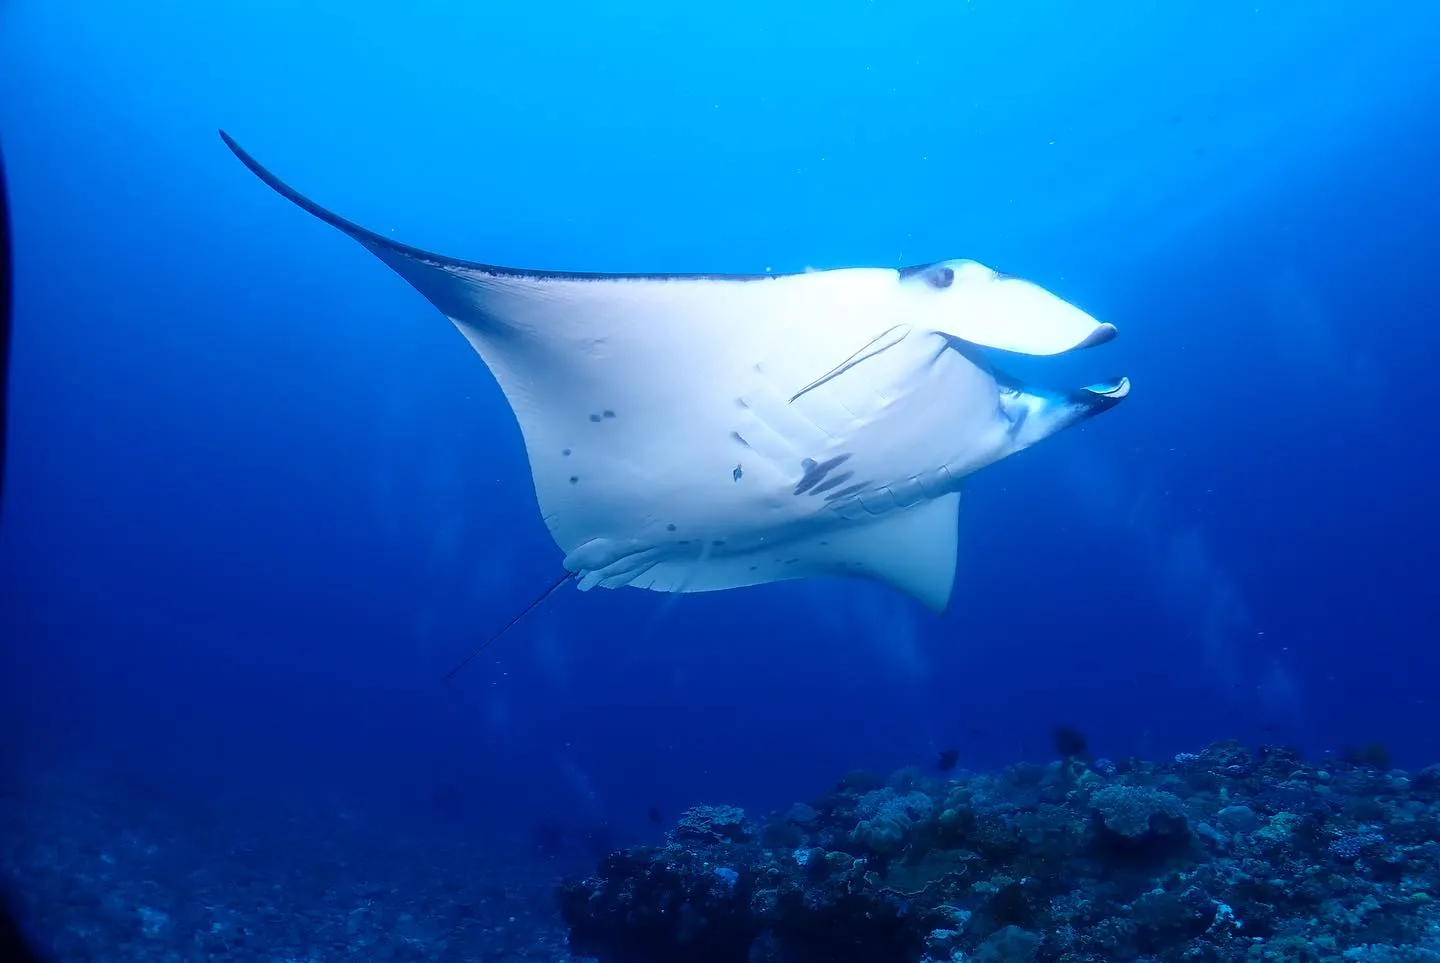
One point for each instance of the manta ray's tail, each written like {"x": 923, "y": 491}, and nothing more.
{"x": 495, "y": 637}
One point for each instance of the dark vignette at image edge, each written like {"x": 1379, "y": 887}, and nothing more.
{"x": 14, "y": 944}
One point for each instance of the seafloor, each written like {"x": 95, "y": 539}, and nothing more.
{"x": 112, "y": 868}
{"x": 1227, "y": 854}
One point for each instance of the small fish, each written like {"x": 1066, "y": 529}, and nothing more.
{"x": 947, "y": 759}
{"x": 1070, "y": 742}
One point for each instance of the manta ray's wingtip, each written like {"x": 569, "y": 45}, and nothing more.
{"x": 361, "y": 234}
{"x": 939, "y": 606}
{"x": 377, "y": 244}
{"x": 244, "y": 155}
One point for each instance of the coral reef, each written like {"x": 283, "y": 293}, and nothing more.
{"x": 1213, "y": 856}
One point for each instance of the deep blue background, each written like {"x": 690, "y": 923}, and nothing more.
{"x": 262, "y": 494}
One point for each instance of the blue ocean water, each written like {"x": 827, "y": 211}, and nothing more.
{"x": 261, "y": 495}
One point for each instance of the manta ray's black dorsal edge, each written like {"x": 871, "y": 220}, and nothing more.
{"x": 371, "y": 240}
{"x": 364, "y": 235}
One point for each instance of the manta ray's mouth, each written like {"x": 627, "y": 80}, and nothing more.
{"x": 1114, "y": 390}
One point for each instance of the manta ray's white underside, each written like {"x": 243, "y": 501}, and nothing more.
{"x": 696, "y": 433}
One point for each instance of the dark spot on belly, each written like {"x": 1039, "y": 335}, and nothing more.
{"x": 574, "y": 479}
{"x": 595, "y": 418}
{"x": 565, "y": 452}
{"x": 718, "y": 542}
{"x": 754, "y": 567}
{"x": 607, "y": 413}
{"x": 816, "y": 472}
{"x": 833, "y": 481}
{"x": 684, "y": 541}
{"x": 738, "y": 473}
{"x": 670, "y": 527}
{"x": 846, "y": 492}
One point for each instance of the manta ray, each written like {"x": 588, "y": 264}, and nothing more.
{"x": 702, "y": 432}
